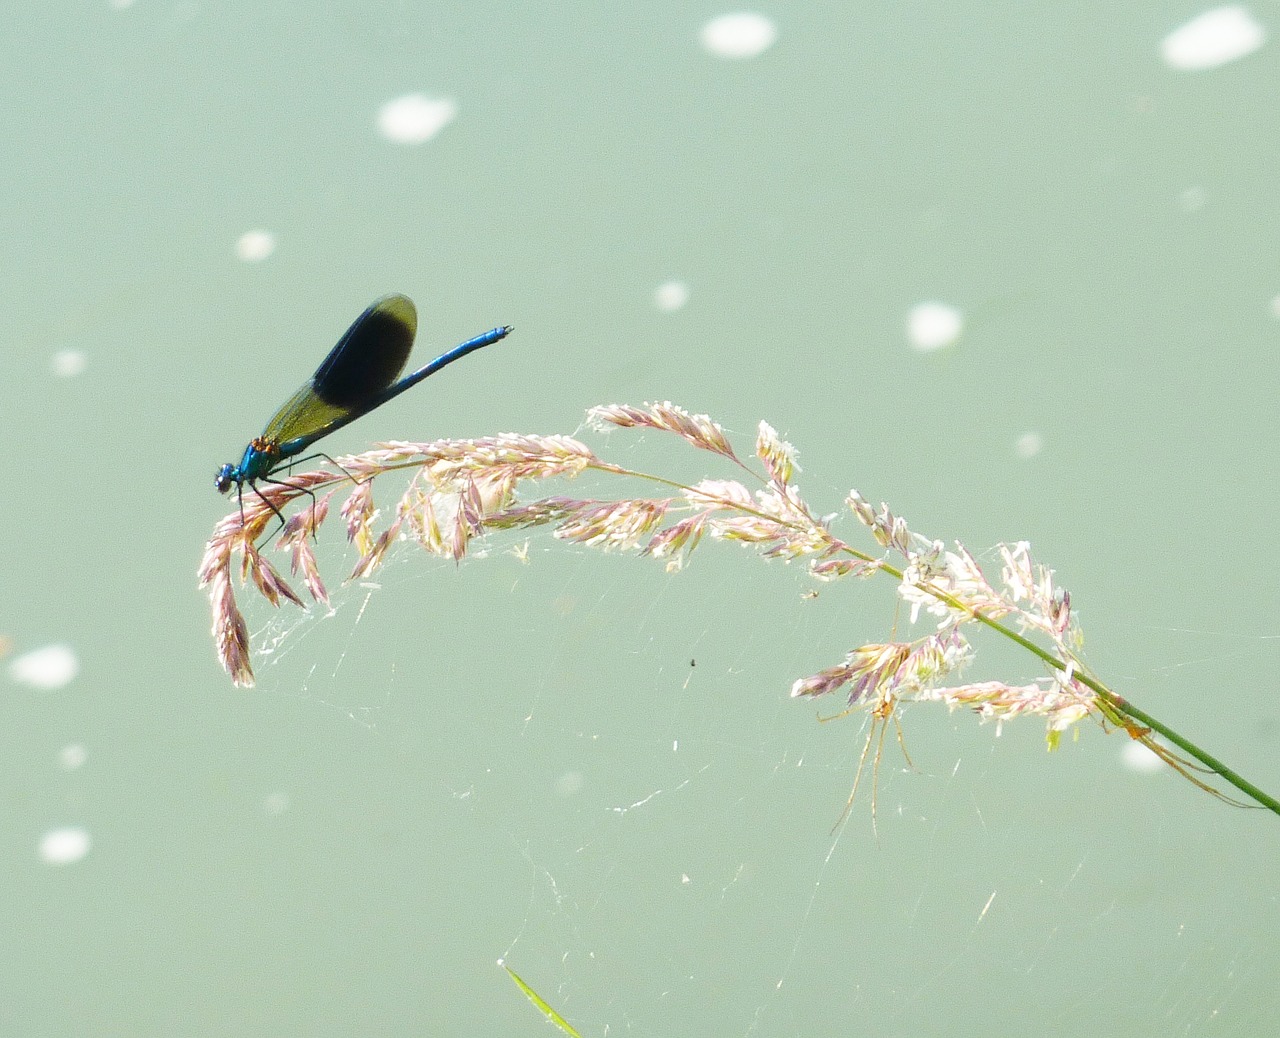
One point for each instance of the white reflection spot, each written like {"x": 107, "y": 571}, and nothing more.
{"x": 72, "y": 756}
{"x": 671, "y": 296}
{"x": 51, "y": 667}
{"x": 64, "y": 846}
{"x": 1029, "y": 445}
{"x": 930, "y": 326}
{"x": 415, "y": 118}
{"x": 68, "y": 363}
{"x": 1191, "y": 200}
{"x": 1137, "y": 757}
{"x": 255, "y": 246}
{"x": 1214, "y": 38}
{"x": 743, "y": 34}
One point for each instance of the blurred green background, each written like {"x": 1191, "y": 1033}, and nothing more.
{"x": 523, "y": 761}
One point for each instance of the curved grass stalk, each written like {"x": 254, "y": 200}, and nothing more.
{"x": 462, "y": 490}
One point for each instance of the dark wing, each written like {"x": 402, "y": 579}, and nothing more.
{"x": 365, "y": 361}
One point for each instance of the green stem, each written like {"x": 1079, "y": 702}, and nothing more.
{"x": 1212, "y": 763}
{"x": 1116, "y": 705}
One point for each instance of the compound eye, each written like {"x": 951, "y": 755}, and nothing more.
{"x": 223, "y": 479}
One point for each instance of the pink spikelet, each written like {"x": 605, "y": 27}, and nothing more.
{"x": 697, "y": 429}
{"x": 230, "y": 635}
{"x": 358, "y": 511}
{"x": 296, "y": 538}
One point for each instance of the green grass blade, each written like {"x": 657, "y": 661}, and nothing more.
{"x": 540, "y": 1002}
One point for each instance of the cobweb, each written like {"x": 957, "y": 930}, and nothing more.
{"x": 664, "y": 833}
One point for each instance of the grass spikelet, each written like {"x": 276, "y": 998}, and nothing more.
{"x": 777, "y": 456}
{"x": 697, "y": 429}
